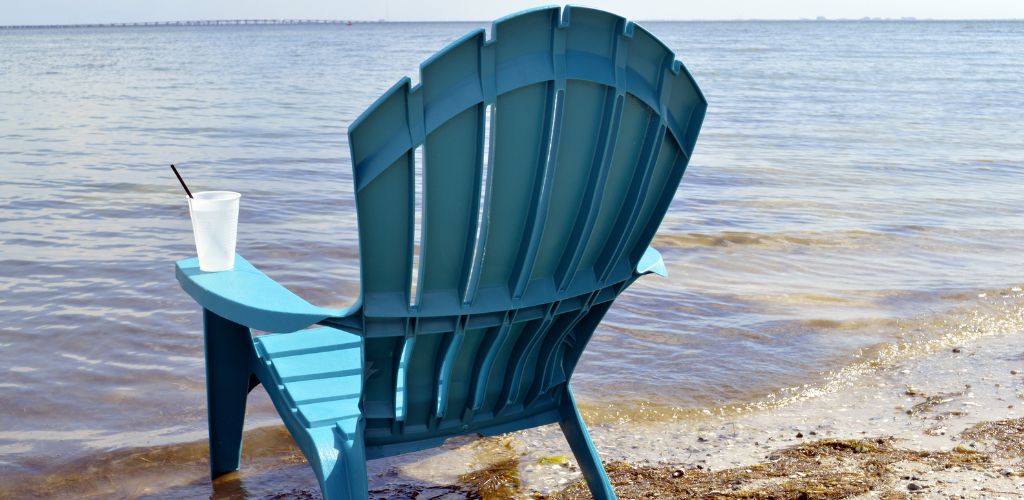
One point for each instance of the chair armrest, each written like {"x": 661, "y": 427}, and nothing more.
{"x": 651, "y": 262}
{"x": 250, "y": 298}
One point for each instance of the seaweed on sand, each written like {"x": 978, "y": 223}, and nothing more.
{"x": 1005, "y": 436}
{"x": 825, "y": 469}
{"x": 497, "y": 480}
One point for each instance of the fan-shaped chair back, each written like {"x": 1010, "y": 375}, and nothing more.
{"x": 503, "y": 203}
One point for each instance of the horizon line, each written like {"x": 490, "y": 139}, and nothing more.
{"x": 267, "y": 21}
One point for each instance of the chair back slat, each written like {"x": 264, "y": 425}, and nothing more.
{"x": 383, "y": 164}
{"x": 529, "y": 247}
{"x": 590, "y": 202}
{"x": 451, "y": 193}
{"x": 521, "y": 134}
{"x": 382, "y": 358}
{"x": 610, "y": 263}
{"x": 421, "y": 382}
{"x": 495, "y": 375}
{"x": 452, "y": 168}
{"x": 633, "y": 129}
{"x": 586, "y": 119}
{"x": 457, "y": 381}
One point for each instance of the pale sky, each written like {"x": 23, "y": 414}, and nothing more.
{"x": 14, "y": 12}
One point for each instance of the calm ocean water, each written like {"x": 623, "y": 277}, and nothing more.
{"x": 857, "y": 186}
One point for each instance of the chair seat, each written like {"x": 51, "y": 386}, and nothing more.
{"x": 317, "y": 372}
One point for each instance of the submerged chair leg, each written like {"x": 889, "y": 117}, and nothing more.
{"x": 579, "y": 440}
{"x": 228, "y": 377}
{"x": 340, "y": 461}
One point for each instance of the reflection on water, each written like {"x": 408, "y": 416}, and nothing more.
{"x": 856, "y": 187}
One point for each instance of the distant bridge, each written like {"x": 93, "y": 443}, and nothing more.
{"x": 214, "y": 22}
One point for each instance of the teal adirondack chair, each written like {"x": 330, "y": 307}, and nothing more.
{"x": 550, "y": 155}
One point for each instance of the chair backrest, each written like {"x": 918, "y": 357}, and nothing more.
{"x": 530, "y": 171}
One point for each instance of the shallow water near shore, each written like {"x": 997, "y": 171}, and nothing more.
{"x": 855, "y": 196}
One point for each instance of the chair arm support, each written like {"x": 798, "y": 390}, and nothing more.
{"x": 250, "y": 298}
{"x": 651, "y": 262}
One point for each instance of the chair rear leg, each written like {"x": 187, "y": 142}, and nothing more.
{"x": 228, "y": 381}
{"x": 583, "y": 448}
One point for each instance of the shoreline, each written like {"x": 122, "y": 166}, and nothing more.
{"x": 920, "y": 404}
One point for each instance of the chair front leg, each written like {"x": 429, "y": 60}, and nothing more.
{"x": 228, "y": 381}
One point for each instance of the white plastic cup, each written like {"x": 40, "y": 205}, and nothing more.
{"x": 215, "y": 226}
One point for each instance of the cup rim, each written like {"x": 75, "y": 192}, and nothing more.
{"x": 216, "y": 195}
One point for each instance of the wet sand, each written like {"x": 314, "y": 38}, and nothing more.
{"x": 944, "y": 421}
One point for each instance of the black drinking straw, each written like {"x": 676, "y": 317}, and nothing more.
{"x": 182, "y": 181}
